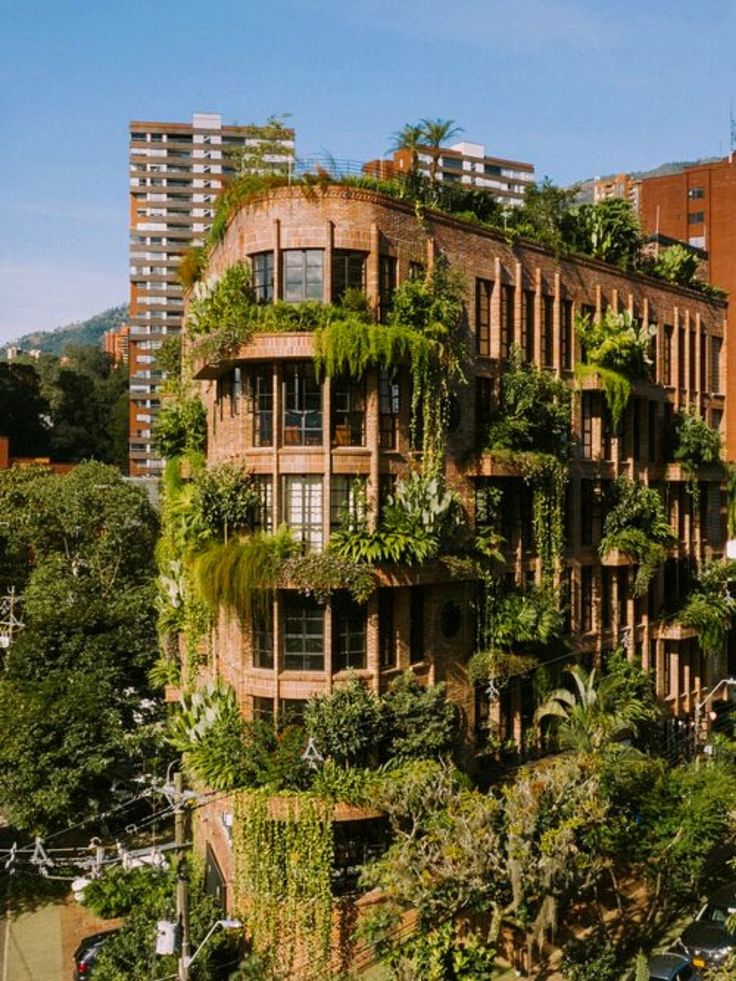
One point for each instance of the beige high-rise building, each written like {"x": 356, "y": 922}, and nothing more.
{"x": 176, "y": 173}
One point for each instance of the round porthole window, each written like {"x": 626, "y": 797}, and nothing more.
{"x": 450, "y": 620}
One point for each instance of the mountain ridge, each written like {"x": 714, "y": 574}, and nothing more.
{"x": 81, "y": 332}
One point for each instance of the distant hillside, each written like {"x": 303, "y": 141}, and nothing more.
{"x": 81, "y": 332}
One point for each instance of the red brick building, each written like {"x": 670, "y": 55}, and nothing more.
{"x": 698, "y": 206}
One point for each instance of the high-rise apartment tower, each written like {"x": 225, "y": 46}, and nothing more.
{"x": 176, "y": 172}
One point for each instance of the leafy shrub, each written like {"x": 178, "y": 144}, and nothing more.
{"x": 119, "y": 890}
{"x": 590, "y": 959}
{"x": 319, "y": 574}
{"x": 180, "y": 427}
{"x": 420, "y": 722}
{"x": 226, "y": 499}
{"x": 697, "y": 443}
{"x": 636, "y": 524}
{"x": 224, "y": 304}
{"x": 347, "y": 724}
{"x": 534, "y": 410}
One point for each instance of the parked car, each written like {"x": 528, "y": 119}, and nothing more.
{"x": 672, "y": 967}
{"x": 708, "y": 940}
{"x": 86, "y": 953}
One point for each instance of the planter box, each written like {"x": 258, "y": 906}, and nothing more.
{"x": 616, "y": 558}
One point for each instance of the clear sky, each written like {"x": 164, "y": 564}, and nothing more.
{"x": 577, "y": 87}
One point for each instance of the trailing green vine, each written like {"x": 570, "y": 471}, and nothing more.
{"x": 636, "y": 524}
{"x": 710, "y": 607}
{"x": 283, "y": 867}
{"x": 616, "y": 349}
{"x": 698, "y": 445}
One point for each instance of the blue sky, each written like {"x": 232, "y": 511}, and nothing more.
{"x": 578, "y": 88}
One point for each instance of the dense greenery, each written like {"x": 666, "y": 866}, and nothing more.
{"x": 68, "y": 410}
{"x": 636, "y": 524}
{"x": 616, "y": 349}
{"x": 71, "y": 695}
{"x": 710, "y": 607}
{"x": 87, "y": 333}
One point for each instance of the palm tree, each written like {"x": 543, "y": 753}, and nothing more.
{"x": 409, "y": 137}
{"x": 436, "y": 132}
{"x": 597, "y": 713}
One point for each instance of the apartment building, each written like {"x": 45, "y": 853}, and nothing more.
{"x": 617, "y": 186}
{"x": 176, "y": 173}
{"x": 308, "y": 438}
{"x": 116, "y": 343}
{"x": 462, "y": 163}
{"x": 698, "y": 206}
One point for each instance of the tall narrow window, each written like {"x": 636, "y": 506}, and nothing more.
{"x": 692, "y": 377}
{"x": 303, "y": 509}
{"x": 716, "y": 344}
{"x": 507, "y": 319}
{"x": 386, "y": 630}
{"x": 388, "y": 408}
{"x": 548, "y": 330}
{"x": 528, "y": 304}
{"x": 586, "y": 599}
{"x": 566, "y": 334}
{"x": 262, "y": 633}
{"x": 262, "y": 263}
{"x": 605, "y": 597}
{"x": 348, "y": 272}
{"x": 703, "y": 364}
{"x": 302, "y": 406}
{"x": 681, "y": 357}
{"x": 483, "y": 294}
{"x": 416, "y": 624}
{"x": 667, "y": 355}
{"x": 347, "y": 498}
{"x": 483, "y": 393}
{"x": 652, "y": 432}
{"x": 636, "y": 425}
{"x": 304, "y": 634}
{"x": 586, "y": 512}
{"x": 348, "y": 634}
{"x": 586, "y": 405}
{"x": 264, "y": 510}
{"x": 348, "y": 411}
{"x": 386, "y": 285}
{"x": 260, "y": 393}
{"x": 303, "y": 274}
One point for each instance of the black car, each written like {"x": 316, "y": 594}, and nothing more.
{"x": 86, "y": 953}
{"x": 708, "y": 940}
{"x": 671, "y": 967}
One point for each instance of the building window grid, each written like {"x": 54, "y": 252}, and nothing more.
{"x": 566, "y": 334}
{"x": 264, "y": 509}
{"x": 548, "y": 331}
{"x": 262, "y": 264}
{"x": 348, "y": 411}
{"x": 303, "y": 509}
{"x": 303, "y": 271}
{"x": 348, "y": 272}
{"x": 304, "y": 634}
{"x": 347, "y": 499}
{"x": 483, "y": 295}
{"x": 260, "y": 387}
{"x": 716, "y": 346}
{"x": 302, "y": 406}
{"x": 348, "y": 635}
{"x": 389, "y": 405}
{"x": 507, "y": 319}
{"x": 386, "y": 285}
{"x": 263, "y": 640}
{"x": 386, "y": 630}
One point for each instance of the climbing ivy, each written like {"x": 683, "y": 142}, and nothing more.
{"x": 283, "y": 850}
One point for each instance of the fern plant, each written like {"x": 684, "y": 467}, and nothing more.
{"x": 710, "y": 607}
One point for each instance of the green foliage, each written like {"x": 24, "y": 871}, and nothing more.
{"x": 192, "y": 266}
{"x": 168, "y": 357}
{"x": 616, "y": 349}
{"x": 346, "y": 724}
{"x": 591, "y": 959}
{"x": 698, "y": 444}
{"x": 420, "y": 722}
{"x": 636, "y": 524}
{"x": 710, "y": 607}
{"x": 534, "y": 410}
{"x": 70, "y": 695}
{"x": 180, "y": 427}
{"x": 441, "y": 955}
{"x": 237, "y": 193}
{"x": 283, "y": 868}
{"x": 119, "y": 891}
{"x": 547, "y": 215}
{"x": 224, "y": 304}
{"x": 677, "y": 264}
{"x": 319, "y": 574}
{"x": 597, "y": 713}
{"x": 226, "y": 499}
{"x": 609, "y": 230}
{"x": 419, "y": 518}
{"x": 516, "y": 618}
{"x": 243, "y": 572}
{"x": 127, "y": 956}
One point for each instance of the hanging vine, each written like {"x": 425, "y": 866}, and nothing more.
{"x": 283, "y": 851}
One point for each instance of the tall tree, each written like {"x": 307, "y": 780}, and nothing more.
{"x": 75, "y": 679}
{"x": 437, "y": 132}
{"x": 409, "y": 137}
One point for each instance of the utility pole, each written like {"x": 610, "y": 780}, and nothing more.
{"x": 182, "y": 886}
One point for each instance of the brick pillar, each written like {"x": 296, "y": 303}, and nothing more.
{"x": 372, "y": 652}
{"x": 277, "y": 258}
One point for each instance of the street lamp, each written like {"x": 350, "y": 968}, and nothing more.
{"x": 227, "y": 924}
{"x": 723, "y": 683}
